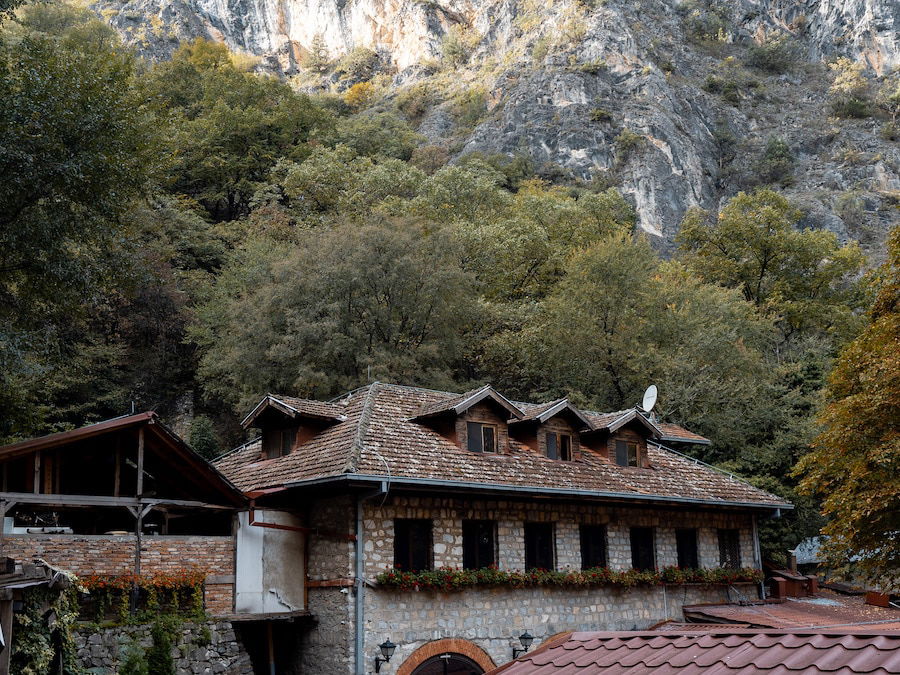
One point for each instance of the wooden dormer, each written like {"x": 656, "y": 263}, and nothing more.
{"x": 476, "y": 421}
{"x": 552, "y": 430}
{"x": 622, "y": 439}
{"x": 287, "y": 422}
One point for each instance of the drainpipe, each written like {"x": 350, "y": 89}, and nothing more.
{"x": 360, "y": 581}
{"x": 758, "y": 554}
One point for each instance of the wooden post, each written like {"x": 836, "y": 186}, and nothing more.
{"x": 140, "y": 463}
{"x": 37, "y": 472}
{"x": 6, "y": 622}
{"x": 117, "y": 481}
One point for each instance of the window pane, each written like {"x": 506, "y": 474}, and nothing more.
{"x": 686, "y": 543}
{"x": 593, "y": 546}
{"x": 729, "y": 549}
{"x": 551, "y": 446}
{"x": 632, "y": 454}
{"x": 490, "y": 442}
{"x": 621, "y": 453}
{"x": 565, "y": 447}
{"x": 412, "y": 544}
{"x": 473, "y": 434}
{"x": 642, "y": 554}
{"x": 539, "y": 546}
{"x": 272, "y": 443}
{"x": 287, "y": 441}
{"x": 478, "y": 544}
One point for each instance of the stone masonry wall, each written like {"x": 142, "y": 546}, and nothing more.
{"x": 114, "y": 554}
{"x": 494, "y": 618}
{"x": 201, "y": 649}
{"x": 328, "y": 646}
{"x": 447, "y": 516}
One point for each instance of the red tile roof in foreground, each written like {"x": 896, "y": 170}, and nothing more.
{"x": 718, "y": 653}
{"x": 827, "y": 609}
{"x": 379, "y": 437}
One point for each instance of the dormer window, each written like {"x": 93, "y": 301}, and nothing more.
{"x": 278, "y": 442}
{"x": 627, "y": 453}
{"x": 559, "y": 446}
{"x": 481, "y": 437}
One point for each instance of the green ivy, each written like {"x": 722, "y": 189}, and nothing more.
{"x": 33, "y": 649}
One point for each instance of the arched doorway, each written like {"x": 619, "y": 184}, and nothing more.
{"x": 449, "y": 664}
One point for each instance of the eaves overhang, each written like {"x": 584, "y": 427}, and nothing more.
{"x": 505, "y": 489}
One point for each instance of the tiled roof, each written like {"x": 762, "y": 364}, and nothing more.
{"x": 380, "y": 438}
{"x": 311, "y": 407}
{"x": 716, "y": 653}
{"x": 827, "y": 609}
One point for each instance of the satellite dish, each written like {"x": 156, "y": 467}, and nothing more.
{"x": 649, "y": 398}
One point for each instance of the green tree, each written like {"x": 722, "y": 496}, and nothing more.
{"x": 384, "y": 300}
{"x": 849, "y": 91}
{"x": 803, "y": 277}
{"x": 203, "y": 438}
{"x": 854, "y": 465}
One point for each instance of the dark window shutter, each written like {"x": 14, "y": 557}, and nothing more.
{"x": 272, "y": 443}
{"x": 565, "y": 447}
{"x": 287, "y": 441}
{"x": 478, "y": 544}
{"x": 593, "y": 546}
{"x": 686, "y": 544}
{"x": 490, "y": 442}
{"x": 621, "y": 453}
{"x": 729, "y": 549}
{"x": 539, "y": 546}
{"x": 551, "y": 445}
{"x": 412, "y": 544}
{"x": 642, "y": 554}
{"x": 474, "y": 440}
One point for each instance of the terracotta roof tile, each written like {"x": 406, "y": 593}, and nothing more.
{"x": 312, "y": 407}
{"x": 391, "y": 443}
{"x": 714, "y": 653}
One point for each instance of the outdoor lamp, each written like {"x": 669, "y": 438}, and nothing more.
{"x": 526, "y": 639}
{"x": 387, "y": 651}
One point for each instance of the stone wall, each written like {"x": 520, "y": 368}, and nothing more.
{"x": 114, "y": 554}
{"x": 447, "y": 515}
{"x": 201, "y": 649}
{"x": 493, "y": 618}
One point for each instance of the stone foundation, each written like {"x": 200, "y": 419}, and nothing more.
{"x": 196, "y": 652}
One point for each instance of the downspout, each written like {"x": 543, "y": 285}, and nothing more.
{"x": 360, "y": 581}
{"x": 757, "y": 552}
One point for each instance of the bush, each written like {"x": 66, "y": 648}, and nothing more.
{"x": 458, "y": 44}
{"x": 626, "y": 143}
{"x": 540, "y": 50}
{"x": 135, "y": 662}
{"x": 360, "y": 95}
{"x": 469, "y": 107}
{"x": 890, "y": 131}
{"x": 203, "y": 438}
{"x": 159, "y": 655}
{"x": 850, "y": 90}
{"x": 600, "y": 115}
{"x": 413, "y": 102}
{"x": 593, "y": 67}
{"x": 358, "y": 64}
{"x": 776, "y": 164}
{"x": 430, "y": 158}
{"x": 776, "y": 55}
{"x": 704, "y": 21}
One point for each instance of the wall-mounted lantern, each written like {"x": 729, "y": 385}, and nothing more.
{"x": 526, "y": 639}
{"x": 387, "y": 651}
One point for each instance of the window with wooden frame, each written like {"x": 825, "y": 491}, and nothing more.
{"x": 686, "y": 547}
{"x": 539, "y": 546}
{"x": 730, "y": 549}
{"x": 559, "y": 446}
{"x": 479, "y": 544}
{"x": 593, "y": 546}
{"x": 412, "y": 544}
{"x": 278, "y": 442}
{"x": 481, "y": 437}
{"x": 643, "y": 548}
{"x": 627, "y": 453}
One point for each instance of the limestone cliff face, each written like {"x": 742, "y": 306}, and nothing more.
{"x": 547, "y": 68}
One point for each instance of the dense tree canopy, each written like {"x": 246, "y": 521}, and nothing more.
{"x": 855, "y": 462}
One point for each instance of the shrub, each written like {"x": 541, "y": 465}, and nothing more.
{"x": 316, "y": 57}
{"x": 135, "y": 662}
{"x": 469, "y": 107}
{"x": 159, "y": 655}
{"x": 776, "y": 164}
{"x": 540, "y": 50}
{"x": 626, "y": 143}
{"x": 203, "y": 438}
{"x": 890, "y": 131}
{"x": 430, "y": 158}
{"x": 458, "y": 44}
{"x": 358, "y": 64}
{"x": 593, "y": 67}
{"x": 360, "y": 95}
{"x": 850, "y": 91}
{"x": 776, "y": 55}
{"x": 414, "y": 101}
{"x": 600, "y": 115}
{"x": 704, "y": 20}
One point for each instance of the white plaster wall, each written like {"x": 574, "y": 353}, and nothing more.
{"x": 270, "y": 575}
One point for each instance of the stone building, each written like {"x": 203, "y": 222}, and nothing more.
{"x": 391, "y": 477}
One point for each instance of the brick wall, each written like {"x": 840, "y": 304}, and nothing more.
{"x": 114, "y": 554}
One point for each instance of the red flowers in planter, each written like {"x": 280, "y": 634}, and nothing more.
{"x": 452, "y": 579}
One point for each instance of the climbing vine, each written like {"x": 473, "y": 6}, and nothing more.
{"x": 132, "y": 599}
{"x": 43, "y": 631}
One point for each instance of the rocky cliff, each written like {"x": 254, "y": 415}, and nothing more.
{"x": 666, "y": 100}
